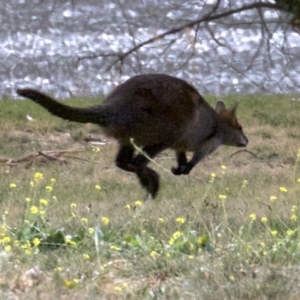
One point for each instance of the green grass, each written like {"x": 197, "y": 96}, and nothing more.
{"x": 229, "y": 230}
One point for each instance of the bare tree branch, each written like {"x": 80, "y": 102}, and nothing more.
{"x": 131, "y": 32}
{"x": 207, "y": 18}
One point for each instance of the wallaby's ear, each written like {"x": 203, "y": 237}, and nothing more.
{"x": 220, "y": 106}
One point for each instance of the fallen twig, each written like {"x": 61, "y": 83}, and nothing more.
{"x": 42, "y": 157}
{"x": 243, "y": 150}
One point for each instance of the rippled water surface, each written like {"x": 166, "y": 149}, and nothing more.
{"x": 68, "y": 48}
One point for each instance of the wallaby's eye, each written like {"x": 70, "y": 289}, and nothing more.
{"x": 238, "y": 126}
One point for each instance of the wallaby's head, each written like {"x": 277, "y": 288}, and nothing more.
{"x": 231, "y": 131}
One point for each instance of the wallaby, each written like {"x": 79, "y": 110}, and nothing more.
{"x": 157, "y": 111}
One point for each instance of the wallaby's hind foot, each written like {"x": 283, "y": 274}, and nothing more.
{"x": 149, "y": 180}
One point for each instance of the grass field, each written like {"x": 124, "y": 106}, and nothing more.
{"x": 74, "y": 226}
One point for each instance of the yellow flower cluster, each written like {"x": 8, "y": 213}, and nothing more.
{"x": 4, "y": 239}
{"x": 180, "y": 220}
{"x": 176, "y": 235}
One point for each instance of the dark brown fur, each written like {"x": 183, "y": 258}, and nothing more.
{"x": 159, "y": 112}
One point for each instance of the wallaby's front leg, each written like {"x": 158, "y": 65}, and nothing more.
{"x": 181, "y": 161}
{"x": 204, "y": 149}
{"x": 186, "y": 168}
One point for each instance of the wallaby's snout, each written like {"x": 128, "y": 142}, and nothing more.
{"x": 244, "y": 141}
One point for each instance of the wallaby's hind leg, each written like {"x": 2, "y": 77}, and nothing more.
{"x": 148, "y": 178}
{"x": 124, "y": 158}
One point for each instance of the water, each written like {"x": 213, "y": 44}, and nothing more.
{"x": 68, "y": 48}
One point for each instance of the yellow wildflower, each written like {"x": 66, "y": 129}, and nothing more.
{"x": 180, "y": 220}
{"x": 222, "y": 197}
{"x": 12, "y": 185}
{"x": 97, "y": 187}
{"x": 138, "y": 203}
{"x": 153, "y": 253}
{"x": 49, "y": 188}
{"x": 34, "y": 209}
{"x": 245, "y": 182}
{"x": 212, "y": 178}
{"x": 3, "y": 230}
{"x": 96, "y": 149}
{"x": 116, "y": 248}
{"x": 44, "y": 202}
{"x": 252, "y": 217}
{"x": 294, "y": 217}
{"x": 86, "y": 256}
{"x": 262, "y": 244}
{"x": 6, "y": 240}
{"x": 36, "y": 241}
{"x": 264, "y": 220}
{"x": 27, "y": 251}
{"x": 7, "y": 248}
{"x": 70, "y": 242}
{"x": 71, "y": 283}
{"x": 105, "y": 220}
{"x": 202, "y": 240}
{"x": 26, "y": 245}
{"x": 176, "y": 235}
{"x": 283, "y": 189}
{"x": 38, "y": 176}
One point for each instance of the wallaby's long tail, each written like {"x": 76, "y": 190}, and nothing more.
{"x": 96, "y": 115}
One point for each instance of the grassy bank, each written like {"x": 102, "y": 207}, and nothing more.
{"x": 75, "y": 226}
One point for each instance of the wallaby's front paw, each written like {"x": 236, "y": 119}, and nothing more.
{"x": 176, "y": 171}
{"x": 180, "y": 170}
